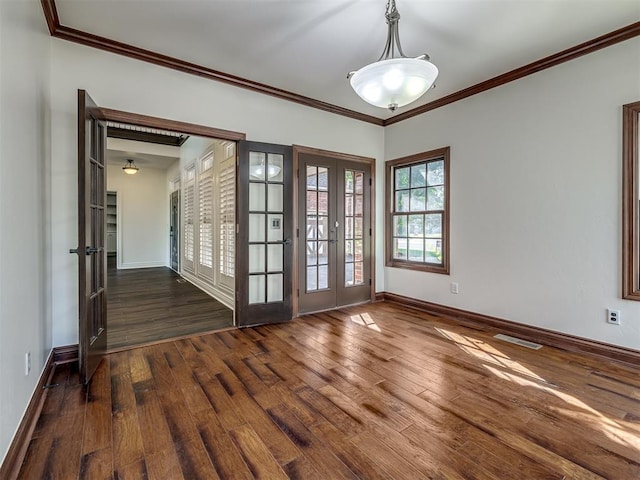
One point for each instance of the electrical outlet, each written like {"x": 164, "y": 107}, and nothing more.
{"x": 613, "y": 316}
{"x": 454, "y": 287}
{"x": 27, "y": 363}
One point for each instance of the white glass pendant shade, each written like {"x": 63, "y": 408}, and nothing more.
{"x": 130, "y": 168}
{"x": 395, "y": 82}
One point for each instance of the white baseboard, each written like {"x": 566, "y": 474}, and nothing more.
{"x": 223, "y": 297}
{"x": 130, "y": 265}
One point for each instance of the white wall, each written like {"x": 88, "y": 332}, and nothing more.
{"x": 143, "y": 219}
{"x": 25, "y": 322}
{"x": 125, "y": 84}
{"x": 535, "y": 197}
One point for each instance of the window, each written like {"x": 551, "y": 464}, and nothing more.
{"x": 417, "y": 229}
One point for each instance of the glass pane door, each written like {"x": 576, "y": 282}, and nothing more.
{"x": 265, "y": 226}
{"x": 335, "y": 237}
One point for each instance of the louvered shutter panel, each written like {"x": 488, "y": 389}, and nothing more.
{"x": 227, "y": 221}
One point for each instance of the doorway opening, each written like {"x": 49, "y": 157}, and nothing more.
{"x": 167, "y": 235}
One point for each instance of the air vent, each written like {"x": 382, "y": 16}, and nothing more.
{"x": 518, "y": 341}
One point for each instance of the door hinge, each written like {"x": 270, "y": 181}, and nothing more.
{"x": 297, "y": 233}
{"x": 369, "y": 282}
{"x": 298, "y": 292}
{"x": 370, "y": 232}
{"x": 370, "y": 182}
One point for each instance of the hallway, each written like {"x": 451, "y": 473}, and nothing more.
{"x": 153, "y": 304}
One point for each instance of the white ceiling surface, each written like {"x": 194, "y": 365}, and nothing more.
{"x": 308, "y": 46}
{"x": 144, "y": 154}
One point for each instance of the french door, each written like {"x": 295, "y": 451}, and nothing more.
{"x": 264, "y": 216}
{"x": 92, "y": 200}
{"x": 334, "y": 232}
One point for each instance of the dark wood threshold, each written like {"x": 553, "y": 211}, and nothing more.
{"x": 562, "y": 341}
{"x": 169, "y": 340}
{"x": 18, "y": 448}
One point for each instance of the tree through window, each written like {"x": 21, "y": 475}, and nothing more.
{"x": 417, "y": 213}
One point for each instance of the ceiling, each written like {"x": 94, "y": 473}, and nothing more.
{"x": 308, "y": 46}
{"x": 144, "y": 154}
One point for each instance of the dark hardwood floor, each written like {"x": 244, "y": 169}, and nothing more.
{"x": 152, "y": 304}
{"x": 374, "y": 391}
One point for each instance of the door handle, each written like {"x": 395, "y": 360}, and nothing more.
{"x": 287, "y": 241}
{"x": 333, "y": 240}
{"x": 87, "y": 250}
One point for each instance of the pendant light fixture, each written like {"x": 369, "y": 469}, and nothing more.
{"x": 130, "y": 168}
{"x": 394, "y": 81}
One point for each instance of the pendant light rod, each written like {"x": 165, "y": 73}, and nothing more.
{"x": 393, "y": 33}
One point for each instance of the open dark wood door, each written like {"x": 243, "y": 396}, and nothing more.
{"x": 92, "y": 198}
{"x": 264, "y": 215}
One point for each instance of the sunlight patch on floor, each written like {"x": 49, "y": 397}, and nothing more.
{"x": 486, "y": 352}
{"x": 365, "y": 320}
{"x": 584, "y": 413}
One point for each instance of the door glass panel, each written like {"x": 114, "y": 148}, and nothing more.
{"x": 274, "y": 169}
{"x": 323, "y": 253}
{"x": 358, "y": 250}
{"x": 358, "y": 227}
{"x": 256, "y": 259}
{"x": 256, "y": 197}
{"x": 256, "y": 227}
{"x": 323, "y": 178}
{"x": 274, "y": 230}
{"x": 312, "y": 278}
{"x": 276, "y": 193}
{"x": 353, "y": 243}
{"x": 323, "y": 277}
{"x": 323, "y": 203}
{"x": 312, "y": 226}
{"x": 312, "y": 202}
{"x": 312, "y": 178}
{"x": 317, "y": 227}
{"x": 257, "y": 165}
{"x": 348, "y": 274}
{"x": 256, "y": 289}
{"x": 274, "y": 258}
{"x": 274, "y": 287}
{"x": 348, "y": 228}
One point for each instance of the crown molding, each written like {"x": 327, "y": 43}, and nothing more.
{"x": 83, "y": 38}
{"x": 603, "y": 41}
{"x": 77, "y": 36}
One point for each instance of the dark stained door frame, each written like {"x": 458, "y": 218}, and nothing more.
{"x": 92, "y": 263}
{"x": 299, "y": 242}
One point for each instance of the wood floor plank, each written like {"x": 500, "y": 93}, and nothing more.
{"x": 149, "y": 304}
{"x": 370, "y": 392}
{"x": 256, "y": 455}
